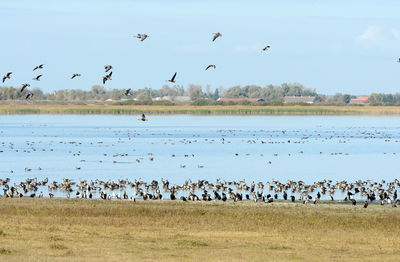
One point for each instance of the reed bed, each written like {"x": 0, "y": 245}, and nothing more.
{"x": 200, "y": 110}
{"x": 98, "y": 230}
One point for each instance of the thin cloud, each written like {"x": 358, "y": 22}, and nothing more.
{"x": 375, "y": 37}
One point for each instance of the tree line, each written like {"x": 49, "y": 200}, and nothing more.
{"x": 198, "y": 94}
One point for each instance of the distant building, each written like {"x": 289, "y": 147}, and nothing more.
{"x": 299, "y": 99}
{"x": 177, "y": 99}
{"x": 359, "y": 100}
{"x": 240, "y": 99}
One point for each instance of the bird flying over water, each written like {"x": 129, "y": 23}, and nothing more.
{"x": 209, "y": 66}
{"x": 38, "y": 67}
{"x": 23, "y": 87}
{"x": 142, "y": 37}
{"x": 37, "y": 78}
{"x": 75, "y": 75}
{"x": 128, "y": 92}
{"x": 108, "y": 68}
{"x": 172, "y": 80}
{"x": 266, "y": 48}
{"x": 7, "y": 76}
{"x": 216, "y": 35}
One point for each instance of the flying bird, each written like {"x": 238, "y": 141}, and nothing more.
{"x": 38, "y": 67}
{"x": 172, "y": 80}
{"x": 216, "y": 35}
{"x": 398, "y": 60}
{"x": 266, "y": 48}
{"x": 142, "y": 37}
{"x": 29, "y": 95}
{"x": 209, "y": 66}
{"x": 108, "y": 68}
{"x": 107, "y": 77}
{"x": 37, "y": 78}
{"x": 23, "y": 87}
{"x": 7, "y": 76}
{"x": 128, "y": 92}
{"x": 75, "y": 75}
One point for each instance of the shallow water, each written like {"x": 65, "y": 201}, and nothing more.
{"x": 308, "y": 148}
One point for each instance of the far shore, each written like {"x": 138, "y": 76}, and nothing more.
{"x": 200, "y": 110}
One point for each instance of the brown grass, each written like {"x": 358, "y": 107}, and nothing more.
{"x": 98, "y": 230}
{"x": 201, "y": 110}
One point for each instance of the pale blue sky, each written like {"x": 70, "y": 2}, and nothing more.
{"x": 332, "y": 46}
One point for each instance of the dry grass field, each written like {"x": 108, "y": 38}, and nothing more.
{"x": 201, "y": 110}
{"x": 98, "y": 230}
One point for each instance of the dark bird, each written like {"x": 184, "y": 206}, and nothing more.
{"x": 209, "y": 66}
{"x": 29, "y": 96}
{"x": 398, "y": 60}
{"x": 75, "y": 75}
{"x": 266, "y": 48}
{"x": 107, "y": 77}
{"x": 128, "y": 92}
{"x": 216, "y": 35}
{"x": 7, "y": 76}
{"x": 365, "y": 204}
{"x": 38, "y": 67}
{"x": 143, "y": 117}
{"x": 37, "y": 78}
{"x": 142, "y": 37}
{"x": 23, "y": 87}
{"x": 108, "y": 68}
{"x": 172, "y": 80}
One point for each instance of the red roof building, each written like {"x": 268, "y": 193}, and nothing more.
{"x": 359, "y": 100}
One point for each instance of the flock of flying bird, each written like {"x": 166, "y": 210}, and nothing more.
{"x": 107, "y": 68}
{"x": 382, "y": 192}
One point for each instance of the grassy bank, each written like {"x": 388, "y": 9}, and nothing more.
{"x": 97, "y": 230}
{"x": 200, "y": 110}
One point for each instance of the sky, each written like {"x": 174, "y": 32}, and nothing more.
{"x": 332, "y": 46}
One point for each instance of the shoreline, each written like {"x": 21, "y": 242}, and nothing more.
{"x": 200, "y": 110}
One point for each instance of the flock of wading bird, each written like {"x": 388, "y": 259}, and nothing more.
{"x": 108, "y": 68}
{"x": 367, "y": 191}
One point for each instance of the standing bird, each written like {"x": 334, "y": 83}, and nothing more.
{"x": 7, "y": 76}
{"x": 107, "y": 77}
{"x": 128, "y": 92}
{"x": 23, "y": 87}
{"x": 216, "y": 35}
{"x": 172, "y": 80}
{"x": 37, "y": 78}
{"x": 75, "y": 75}
{"x": 143, "y": 117}
{"x": 29, "y": 95}
{"x": 38, "y": 67}
{"x": 209, "y": 66}
{"x": 142, "y": 37}
{"x": 108, "y": 68}
{"x": 266, "y": 48}
{"x": 365, "y": 204}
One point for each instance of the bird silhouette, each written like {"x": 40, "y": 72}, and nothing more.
{"x": 143, "y": 117}
{"x": 209, "y": 66}
{"x": 75, "y": 75}
{"x": 108, "y": 68}
{"x": 128, "y": 92}
{"x": 38, "y": 67}
{"x": 24, "y": 86}
{"x": 37, "y": 78}
{"x": 266, "y": 48}
{"x": 142, "y": 37}
{"x": 29, "y": 95}
{"x": 216, "y": 35}
{"x": 7, "y": 76}
{"x": 172, "y": 80}
{"x": 107, "y": 77}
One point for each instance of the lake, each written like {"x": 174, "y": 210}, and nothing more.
{"x": 179, "y": 147}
